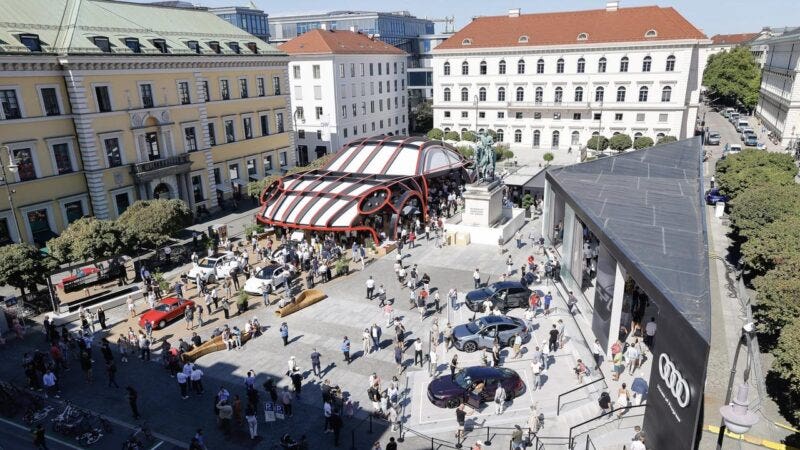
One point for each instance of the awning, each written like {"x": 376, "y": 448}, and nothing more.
{"x": 517, "y": 180}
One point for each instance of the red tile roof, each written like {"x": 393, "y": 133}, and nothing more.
{"x": 336, "y": 41}
{"x": 563, "y": 28}
{"x": 732, "y": 39}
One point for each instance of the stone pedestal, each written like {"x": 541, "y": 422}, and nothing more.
{"x": 483, "y": 204}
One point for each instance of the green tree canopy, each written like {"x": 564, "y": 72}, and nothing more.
{"x": 87, "y": 239}
{"x": 754, "y": 208}
{"x": 620, "y": 142}
{"x": 772, "y": 244}
{"x": 149, "y": 223}
{"x": 778, "y": 298}
{"x": 21, "y": 266}
{"x": 548, "y": 158}
{"x": 423, "y": 116}
{"x": 734, "y": 77}
{"x": 642, "y": 142}
{"x": 666, "y": 139}
{"x": 787, "y": 359}
{"x": 751, "y": 168}
{"x": 469, "y": 136}
{"x": 595, "y": 145}
{"x": 436, "y": 134}
{"x": 452, "y": 136}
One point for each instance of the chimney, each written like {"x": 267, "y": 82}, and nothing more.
{"x": 514, "y": 12}
{"x": 612, "y": 6}
{"x": 323, "y": 26}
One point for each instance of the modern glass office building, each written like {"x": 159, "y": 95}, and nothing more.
{"x": 254, "y": 21}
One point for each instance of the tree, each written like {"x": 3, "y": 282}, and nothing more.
{"x": 642, "y": 142}
{"x": 772, "y": 244}
{"x": 734, "y": 76}
{"x": 466, "y": 151}
{"x": 87, "y": 239}
{"x": 423, "y": 116}
{"x": 597, "y": 143}
{"x": 620, "y": 142}
{"x": 149, "y": 223}
{"x": 22, "y": 266}
{"x": 469, "y": 136}
{"x": 759, "y": 206}
{"x": 436, "y": 134}
{"x": 666, "y": 139}
{"x": 778, "y": 299}
{"x": 548, "y": 158}
{"x": 787, "y": 360}
{"x": 452, "y": 136}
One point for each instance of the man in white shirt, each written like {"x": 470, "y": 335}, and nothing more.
{"x": 650, "y": 333}
{"x": 370, "y": 287}
{"x": 197, "y": 380}
{"x": 183, "y": 383}
{"x": 639, "y": 443}
{"x": 49, "y": 381}
{"x": 476, "y": 277}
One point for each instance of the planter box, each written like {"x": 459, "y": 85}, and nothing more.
{"x": 385, "y": 249}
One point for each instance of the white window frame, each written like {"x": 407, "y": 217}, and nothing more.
{"x": 125, "y": 190}
{"x": 317, "y": 92}
{"x": 37, "y": 169}
{"x": 232, "y": 118}
{"x": 39, "y": 88}
{"x": 298, "y": 92}
{"x": 197, "y": 132}
{"x": 94, "y": 87}
{"x": 47, "y": 206}
{"x": 316, "y": 71}
{"x": 102, "y": 141}
{"x": 203, "y": 184}
{"x": 11, "y": 220}
{"x": 246, "y": 85}
{"x": 152, "y": 90}
{"x": 70, "y": 145}
{"x": 178, "y": 91}
{"x": 18, "y": 92}
{"x": 252, "y": 127}
{"x": 219, "y": 86}
{"x": 83, "y": 198}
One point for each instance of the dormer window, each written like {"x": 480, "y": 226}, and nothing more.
{"x": 523, "y": 39}
{"x": 102, "y": 43}
{"x": 31, "y": 41}
{"x": 161, "y": 45}
{"x": 133, "y": 44}
{"x": 466, "y": 41}
{"x": 651, "y": 34}
{"x": 583, "y": 36}
{"x": 194, "y": 46}
{"x": 235, "y": 47}
{"x": 214, "y": 46}
{"x": 253, "y": 47}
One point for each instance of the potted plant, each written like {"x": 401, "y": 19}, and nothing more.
{"x": 341, "y": 267}
{"x": 527, "y": 201}
{"x": 241, "y": 302}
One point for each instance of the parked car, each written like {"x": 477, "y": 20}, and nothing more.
{"x": 751, "y": 140}
{"x": 761, "y": 146}
{"x": 213, "y": 268}
{"x": 271, "y": 276}
{"x": 713, "y": 138}
{"x": 504, "y": 295}
{"x": 734, "y": 148}
{"x": 713, "y": 196}
{"x": 166, "y": 311}
{"x": 447, "y": 392}
{"x": 746, "y": 131}
{"x": 481, "y": 333}
{"x": 733, "y": 118}
{"x": 741, "y": 125}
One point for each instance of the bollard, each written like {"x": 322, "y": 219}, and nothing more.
{"x": 400, "y": 433}
{"x": 352, "y": 439}
{"x": 432, "y": 446}
{"x": 487, "y": 441}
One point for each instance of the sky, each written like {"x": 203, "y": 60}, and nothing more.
{"x": 711, "y": 16}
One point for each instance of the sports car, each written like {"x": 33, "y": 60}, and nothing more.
{"x": 165, "y": 311}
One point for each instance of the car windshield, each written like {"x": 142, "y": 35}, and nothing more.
{"x": 473, "y": 327}
{"x": 463, "y": 379}
{"x": 490, "y": 290}
{"x": 207, "y": 263}
{"x": 266, "y": 272}
{"x": 714, "y": 135}
{"x": 162, "y": 307}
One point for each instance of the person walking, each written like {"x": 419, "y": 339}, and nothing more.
{"x": 553, "y": 341}
{"x": 548, "y": 298}
{"x": 50, "y": 383}
{"x": 196, "y": 378}
{"x": 398, "y": 357}
{"x": 375, "y": 334}
{"x": 133, "y": 398}
{"x": 111, "y": 370}
{"x": 345, "y": 347}
{"x": 461, "y": 417}
{"x": 516, "y": 438}
{"x": 365, "y": 342}
{"x": 650, "y": 333}
{"x": 499, "y": 399}
{"x": 517, "y": 346}
{"x": 252, "y": 420}
{"x": 336, "y": 426}
{"x": 433, "y": 368}
{"x": 453, "y": 367}
{"x": 476, "y": 278}
{"x": 226, "y": 308}
{"x": 370, "y": 287}
{"x": 418, "y": 352}
{"x": 597, "y": 352}
{"x": 286, "y": 400}
{"x": 224, "y": 414}
{"x": 284, "y": 331}
{"x": 101, "y": 317}
{"x": 315, "y": 363}
{"x": 536, "y": 369}
{"x": 560, "y": 327}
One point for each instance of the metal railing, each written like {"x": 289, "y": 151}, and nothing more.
{"x": 601, "y": 416}
{"x": 161, "y": 163}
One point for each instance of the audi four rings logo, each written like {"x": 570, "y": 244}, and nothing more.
{"x": 674, "y": 380}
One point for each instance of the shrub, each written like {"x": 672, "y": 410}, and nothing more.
{"x": 594, "y": 145}
{"x": 620, "y": 142}
{"x": 469, "y": 136}
{"x": 667, "y": 139}
{"x": 642, "y": 142}
{"x": 527, "y": 201}
{"x": 451, "y": 136}
{"x": 508, "y": 154}
{"x": 466, "y": 151}
{"x": 548, "y": 158}
{"x": 492, "y": 133}
{"x": 436, "y": 134}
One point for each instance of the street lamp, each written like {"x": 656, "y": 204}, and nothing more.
{"x": 736, "y": 417}
{"x": 12, "y": 167}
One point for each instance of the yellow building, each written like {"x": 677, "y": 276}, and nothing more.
{"x": 103, "y": 103}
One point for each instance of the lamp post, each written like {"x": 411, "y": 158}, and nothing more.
{"x": 12, "y": 167}
{"x": 736, "y": 417}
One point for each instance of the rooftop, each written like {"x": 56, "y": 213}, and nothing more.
{"x": 647, "y": 207}
{"x": 640, "y": 24}
{"x": 340, "y": 42}
{"x": 732, "y": 39}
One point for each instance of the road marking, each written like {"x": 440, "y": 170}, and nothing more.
{"x": 157, "y": 445}
{"x": 47, "y": 436}
{"x": 750, "y": 439}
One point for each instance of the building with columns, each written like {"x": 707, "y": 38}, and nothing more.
{"x": 106, "y": 102}
{"x": 344, "y": 85}
{"x": 549, "y": 81}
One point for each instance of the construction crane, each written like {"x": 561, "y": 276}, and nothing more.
{"x": 448, "y": 22}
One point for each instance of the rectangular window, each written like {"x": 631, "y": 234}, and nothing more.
{"x": 102, "y": 43}
{"x": 217, "y": 176}
{"x": 576, "y": 116}
{"x": 663, "y": 117}
{"x": 536, "y": 115}
{"x": 301, "y": 134}
{"x": 153, "y": 150}
{"x": 341, "y": 70}
{"x": 73, "y": 210}
{"x": 62, "y": 158}
{"x": 243, "y": 88}
{"x": 447, "y": 114}
{"x": 618, "y": 116}
{"x": 11, "y": 109}
{"x": 197, "y": 188}
{"x": 123, "y": 201}
{"x": 372, "y": 106}
{"x": 224, "y": 90}
{"x": 518, "y": 115}
{"x": 296, "y": 72}
{"x": 230, "y": 136}
{"x": 318, "y": 92}
{"x": 395, "y": 68}
{"x": 597, "y": 116}
{"x": 362, "y": 69}
{"x": 279, "y": 122}
{"x": 113, "y": 154}
{"x": 380, "y": 69}
{"x": 161, "y": 45}
{"x": 363, "y": 108}
{"x": 265, "y": 124}
{"x": 248, "y": 127}
{"x": 276, "y": 85}
{"x": 214, "y": 46}
{"x": 212, "y": 136}
{"x": 371, "y": 69}
{"x": 363, "y": 128}
{"x": 26, "y": 170}
{"x": 31, "y": 41}
{"x": 282, "y": 157}
{"x": 373, "y": 126}
{"x": 251, "y": 168}
{"x": 146, "y": 91}
{"x": 380, "y": 88}
{"x": 260, "y": 87}
{"x": 50, "y": 101}
{"x": 39, "y": 225}
{"x": 355, "y": 110}
{"x": 233, "y": 171}
{"x": 557, "y": 116}
{"x": 344, "y": 112}
{"x": 183, "y": 92}
{"x": 640, "y": 117}
{"x": 344, "y": 132}
{"x": 101, "y": 94}
{"x": 319, "y": 135}
{"x": 193, "y": 46}
{"x": 267, "y": 164}
{"x": 464, "y": 114}
{"x": 355, "y": 131}
{"x": 316, "y": 71}
{"x": 206, "y": 91}
{"x": 380, "y": 105}
{"x": 318, "y": 111}
{"x": 352, "y": 70}
{"x": 298, "y": 92}
{"x": 191, "y": 139}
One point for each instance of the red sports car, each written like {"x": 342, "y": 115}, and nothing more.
{"x": 166, "y": 311}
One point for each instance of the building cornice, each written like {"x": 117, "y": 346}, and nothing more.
{"x": 579, "y": 48}
{"x": 117, "y": 63}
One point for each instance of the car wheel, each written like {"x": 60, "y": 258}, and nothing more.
{"x": 470, "y": 347}
{"x": 511, "y": 341}
{"x": 211, "y": 279}
{"x": 453, "y": 403}
{"x": 162, "y": 324}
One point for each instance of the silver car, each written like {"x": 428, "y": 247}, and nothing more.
{"x": 481, "y": 333}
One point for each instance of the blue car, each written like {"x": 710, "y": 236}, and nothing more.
{"x": 713, "y": 196}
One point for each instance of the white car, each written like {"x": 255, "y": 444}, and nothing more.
{"x": 214, "y": 267}
{"x": 270, "y": 276}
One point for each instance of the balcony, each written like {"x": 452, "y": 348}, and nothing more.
{"x": 150, "y": 170}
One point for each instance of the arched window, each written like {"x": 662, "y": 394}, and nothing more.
{"x": 666, "y": 94}
{"x": 466, "y": 41}
{"x": 483, "y": 68}
{"x": 501, "y": 94}
{"x": 447, "y": 94}
{"x": 501, "y": 68}
{"x": 659, "y": 136}
{"x": 500, "y": 136}
{"x": 643, "y": 94}
{"x": 646, "y": 62}
{"x": 621, "y": 94}
{"x": 446, "y": 129}
{"x": 637, "y": 135}
{"x": 520, "y": 94}
{"x": 576, "y": 138}
{"x": 601, "y": 65}
{"x": 651, "y": 33}
{"x": 523, "y": 39}
{"x": 464, "y": 94}
{"x": 482, "y": 94}
{"x": 581, "y": 65}
{"x": 583, "y": 36}
{"x": 540, "y": 66}
{"x": 616, "y": 133}
{"x": 670, "y": 63}
{"x": 539, "y": 95}
{"x": 560, "y": 65}
{"x": 464, "y": 68}
{"x": 599, "y": 93}
{"x": 578, "y": 94}
{"x": 517, "y": 136}
{"x": 463, "y": 130}
{"x": 559, "y": 95}
{"x": 521, "y": 66}
{"x": 623, "y": 64}
{"x": 556, "y": 137}
{"x": 537, "y": 138}
{"x": 481, "y": 130}
{"x": 447, "y": 68}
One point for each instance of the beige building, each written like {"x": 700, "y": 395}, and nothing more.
{"x": 103, "y": 103}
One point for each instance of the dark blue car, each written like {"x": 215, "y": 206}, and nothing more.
{"x": 713, "y": 196}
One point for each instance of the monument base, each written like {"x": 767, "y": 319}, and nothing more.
{"x": 483, "y": 204}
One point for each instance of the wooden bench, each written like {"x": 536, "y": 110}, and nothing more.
{"x": 212, "y": 345}
{"x": 306, "y": 298}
